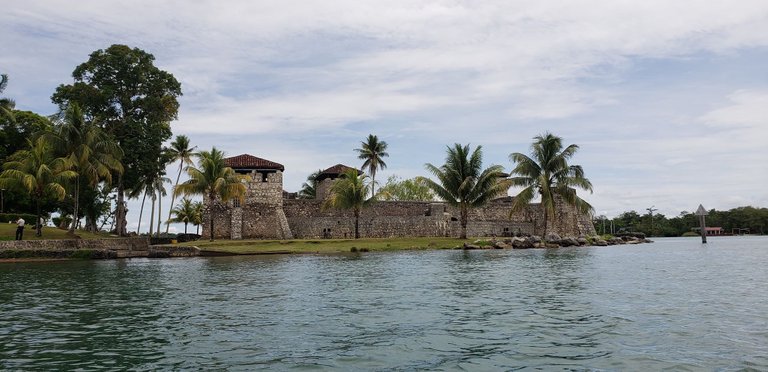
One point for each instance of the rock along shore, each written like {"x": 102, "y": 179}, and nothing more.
{"x": 555, "y": 241}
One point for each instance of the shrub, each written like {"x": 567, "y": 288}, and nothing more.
{"x": 13, "y": 217}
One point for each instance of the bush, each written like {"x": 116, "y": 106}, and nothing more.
{"x": 13, "y": 217}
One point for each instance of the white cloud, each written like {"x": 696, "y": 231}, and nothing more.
{"x": 301, "y": 82}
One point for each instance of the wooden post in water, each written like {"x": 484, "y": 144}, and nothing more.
{"x": 701, "y": 212}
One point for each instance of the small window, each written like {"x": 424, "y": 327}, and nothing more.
{"x": 236, "y": 203}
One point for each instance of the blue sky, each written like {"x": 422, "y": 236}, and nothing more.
{"x": 668, "y": 100}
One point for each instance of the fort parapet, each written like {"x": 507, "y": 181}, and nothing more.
{"x": 267, "y": 214}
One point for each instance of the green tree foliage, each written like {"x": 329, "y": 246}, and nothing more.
{"x": 14, "y": 133}
{"x": 463, "y": 183}
{"x": 751, "y": 218}
{"x": 180, "y": 150}
{"x": 412, "y": 189}
{"x": 134, "y": 101}
{"x": 213, "y": 180}
{"x": 38, "y": 172}
{"x": 350, "y": 191}
{"x": 85, "y": 149}
{"x": 309, "y": 188}
{"x": 373, "y": 152}
{"x": 184, "y": 213}
{"x": 197, "y": 217}
{"x": 547, "y": 174}
{"x": 6, "y": 104}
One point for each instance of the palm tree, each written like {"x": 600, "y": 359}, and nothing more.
{"x": 6, "y": 104}
{"x": 213, "y": 180}
{"x": 547, "y": 174}
{"x": 180, "y": 150}
{"x": 142, "y": 187}
{"x": 309, "y": 188}
{"x": 86, "y": 149}
{"x": 464, "y": 184}
{"x": 184, "y": 212}
{"x": 38, "y": 172}
{"x": 197, "y": 216}
{"x": 350, "y": 191}
{"x": 373, "y": 151}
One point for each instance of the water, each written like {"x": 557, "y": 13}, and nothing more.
{"x": 674, "y": 304}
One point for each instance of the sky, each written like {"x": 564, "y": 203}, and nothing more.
{"x": 668, "y": 100}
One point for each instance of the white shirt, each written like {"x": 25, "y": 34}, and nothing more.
{"x": 20, "y": 222}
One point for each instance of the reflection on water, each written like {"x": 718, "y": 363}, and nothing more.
{"x": 673, "y": 304}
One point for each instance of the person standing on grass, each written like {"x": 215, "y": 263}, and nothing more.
{"x": 19, "y": 228}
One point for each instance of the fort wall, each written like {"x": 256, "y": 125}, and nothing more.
{"x": 265, "y": 214}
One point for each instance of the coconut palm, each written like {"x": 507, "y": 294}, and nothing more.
{"x": 350, "y": 191}
{"x": 184, "y": 213}
{"x": 463, "y": 183}
{"x": 309, "y": 188}
{"x": 38, "y": 172}
{"x": 547, "y": 174}
{"x": 214, "y": 180}
{"x": 86, "y": 149}
{"x": 373, "y": 151}
{"x": 180, "y": 151}
{"x": 6, "y": 104}
{"x": 197, "y": 217}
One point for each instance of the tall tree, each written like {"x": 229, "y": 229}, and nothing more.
{"x": 309, "y": 188}
{"x": 39, "y": 172}
{"x": 411, "y": 189}
{"x": 197, "y": 217}
{"x": 6, "y": 104}
{"x": 373, "y": 152}
{"x": 463, "y": 183}
{"x": 14, "y": 133}
{"x": 181, "y": 151}
{"x": 87, "y": 150}
{"x": 184, "y": 213}
{"x": 134, "y": 101}
{"x": 546, "y": 173}
{"x": 350, "y": 191}
{"x": 214, "y": 180}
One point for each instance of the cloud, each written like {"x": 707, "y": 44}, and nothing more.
{"x": 302, "y": 82}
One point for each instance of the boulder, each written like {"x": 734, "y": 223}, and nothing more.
{"x": 552, "y": 237}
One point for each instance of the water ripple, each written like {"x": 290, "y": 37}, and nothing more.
{"x": 671, "y": 305}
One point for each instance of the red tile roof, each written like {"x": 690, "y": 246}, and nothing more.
{"x": 246, "y": 161}
{"x": 335, "y": 171}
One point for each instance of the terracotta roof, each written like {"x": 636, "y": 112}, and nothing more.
{"x": 246, "y": 161}
{"x": 335, "y": 171}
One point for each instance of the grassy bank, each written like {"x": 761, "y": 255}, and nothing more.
{"x": 8, "y": 232}
{"x": 325, "y": 245}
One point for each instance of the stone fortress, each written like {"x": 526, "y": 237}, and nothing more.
{"x": 268, "y": 212}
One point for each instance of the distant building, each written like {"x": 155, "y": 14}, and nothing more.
{"x": 710, "y": 231}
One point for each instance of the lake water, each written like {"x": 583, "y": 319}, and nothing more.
{"x": 673, "y": 304}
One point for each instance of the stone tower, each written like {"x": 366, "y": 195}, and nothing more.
{"x": 326, "y": 179}
{"x": 261, "y": 215}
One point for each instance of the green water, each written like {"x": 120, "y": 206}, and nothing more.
{"x": 673, "y": 304}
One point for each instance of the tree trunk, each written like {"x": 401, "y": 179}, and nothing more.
{"x": 173, "y": 197}
{"x": 357, "y": 224}
{"x": 464, "y": 217}
{"x": 159, "y": 211}
{"x": 185, "y": 227}
{"x": 197, "y": 229}
{"x": 546, "y": 222}
{"x": 39, "y": 232}
{"x": 210, "y": 213}
{"x": 77, "y": 202}
{"x": 141, "y": 212}
{"x": 120, "y": 213}
{"x": 152, "y": 216}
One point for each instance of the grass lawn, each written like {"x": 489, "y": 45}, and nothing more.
{"x": 8, "y": 232}
{"x": 325, "y": 245}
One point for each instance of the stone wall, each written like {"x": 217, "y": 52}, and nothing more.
{"x": 265, "y": 214}
{"x": 70, "y": 244}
